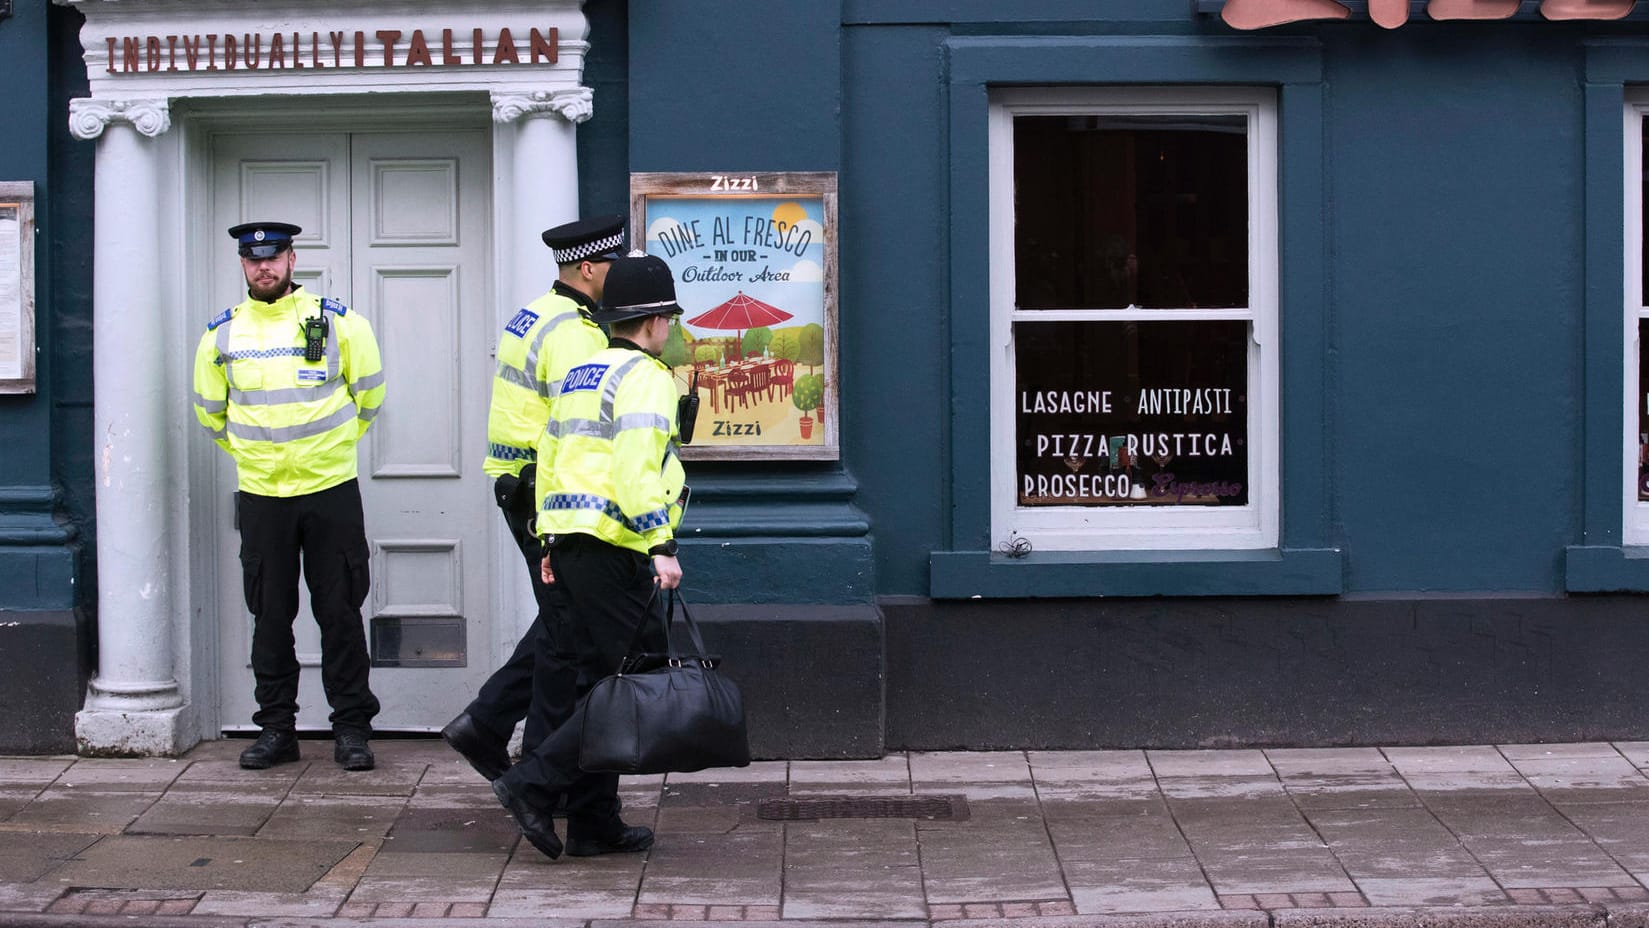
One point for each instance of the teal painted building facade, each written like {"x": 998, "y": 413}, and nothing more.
{"x": 1452, "y": 551}
{"x": 46, "y": 507}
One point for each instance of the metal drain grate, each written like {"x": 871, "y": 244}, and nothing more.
{"x": 813, "y": 808}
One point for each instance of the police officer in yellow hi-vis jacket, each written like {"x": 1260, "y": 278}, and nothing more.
{"x": 287, "y": 382}
{"x": 540, "y": 343}
{"x": 609, "y": 509}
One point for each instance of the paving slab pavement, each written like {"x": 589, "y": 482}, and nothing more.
{"x": 1464, "y": 836}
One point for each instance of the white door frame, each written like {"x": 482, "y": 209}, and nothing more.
{"x": 489, "y": 613}
{"x": 155, "y": 690}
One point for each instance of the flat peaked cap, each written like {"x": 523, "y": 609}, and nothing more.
{"x": 637, "y": 285}
{"x": 263, "y": 239}
{"x": 598, "y": 239}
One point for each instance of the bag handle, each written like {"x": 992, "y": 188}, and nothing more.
{"x": 687, "y": 620}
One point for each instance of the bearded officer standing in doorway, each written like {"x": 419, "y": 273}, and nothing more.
{"x": 287, "y": 382}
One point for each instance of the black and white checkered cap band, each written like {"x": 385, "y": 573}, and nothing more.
{"x": 614, "y": 242}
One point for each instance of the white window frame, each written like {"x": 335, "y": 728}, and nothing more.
{"x": 1078, "y": 528}
{"x": 1635, "y": 531}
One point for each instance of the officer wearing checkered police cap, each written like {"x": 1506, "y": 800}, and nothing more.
{"x": 539, "y": 344}
{"x": 598, "y": 239}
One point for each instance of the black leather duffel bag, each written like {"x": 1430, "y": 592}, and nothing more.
{"x": 665, "y": 713}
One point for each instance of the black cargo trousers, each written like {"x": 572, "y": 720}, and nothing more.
{"x": 543, "y": 695}
{"x": 328, "y": 530}
{"x": 613, "y": 607}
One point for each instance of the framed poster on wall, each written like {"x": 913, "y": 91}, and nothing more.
{"x": 16, "y": 287}
{"x": 754, "y": 257}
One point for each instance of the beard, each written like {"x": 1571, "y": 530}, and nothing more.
{"x": 268, "y": 291}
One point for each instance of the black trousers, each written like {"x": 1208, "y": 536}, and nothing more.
{"x": 613, "y": 606}
{"x": 515, "y": 691}
{"x": 328, "y": 531}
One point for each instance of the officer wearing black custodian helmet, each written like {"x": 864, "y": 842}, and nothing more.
{"x": 539, "y": 344}
{"x": 614, "y": 497}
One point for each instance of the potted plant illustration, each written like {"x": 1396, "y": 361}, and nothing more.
{"x": 808, "y": 396}
{"x": 810, "y": 348}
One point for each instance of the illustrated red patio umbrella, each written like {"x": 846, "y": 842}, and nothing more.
{"x": 740, "y": 313}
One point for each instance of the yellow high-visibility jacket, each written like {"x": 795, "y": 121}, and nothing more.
{"x": 611, "y": 444}
{"x": 539, "y": 345}
{"x": 291, "y": 425}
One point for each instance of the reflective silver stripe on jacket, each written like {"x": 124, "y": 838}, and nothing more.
{"x": 606, "y": 427}
{"x": 520, "y": 378}
{"x": 331, "y": 343}
{"x": 542, "y": 388}
{"x": 589, "y": 428}
{"x": 641, "y": 420}
{"x": 221, "y": 343}
{"x": 609, "y": 390}
{"x": 369, "y": 382}
{"x": 284, "y": 395}
{"x": 332, "y": 366}
{"x": 210, "y": 406}
{"x": 287, "y": 433}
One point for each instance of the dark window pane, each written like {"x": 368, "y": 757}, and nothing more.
{"x": 1643, "y": 410}
{"x": 1131, "y": 413}
{"x": 1112, "y": 211}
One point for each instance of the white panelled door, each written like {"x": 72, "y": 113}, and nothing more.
{"x": 395, "y": 226}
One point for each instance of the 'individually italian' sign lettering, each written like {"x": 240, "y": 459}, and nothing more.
{"x": 298, "y": 50}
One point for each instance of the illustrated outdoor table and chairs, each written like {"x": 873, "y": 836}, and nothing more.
{"x": 743, "y": 380}
{"x": 740, "y": 382}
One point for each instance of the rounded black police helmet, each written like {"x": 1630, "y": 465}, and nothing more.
{"x": 637, "y": 285}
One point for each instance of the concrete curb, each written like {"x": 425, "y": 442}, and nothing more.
{"x": 1505, "y": 916}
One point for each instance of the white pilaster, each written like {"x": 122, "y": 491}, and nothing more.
{"x": 544, "y": 178}
{"x": 134, "y": 703}
{"x": 536, "y": 165}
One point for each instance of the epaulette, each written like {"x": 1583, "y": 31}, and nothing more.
{"x": 223, "y": 317}
{"x": 330, "y": 305}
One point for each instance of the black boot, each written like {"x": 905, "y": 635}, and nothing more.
{"x": 273, "y": 746}
{"x": 484, "y": 751}
{"x": 538, "y": 828}
{"x": 350, "y": 751}
{"x": 628, "y": 840}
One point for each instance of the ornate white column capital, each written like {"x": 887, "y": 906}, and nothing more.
{"x": 89, "y": 116}
{"x": 575, "y": 104}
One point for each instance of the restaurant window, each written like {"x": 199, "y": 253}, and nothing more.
{"x": 1637, "y": 324}
{"x": 1134, "y": 310}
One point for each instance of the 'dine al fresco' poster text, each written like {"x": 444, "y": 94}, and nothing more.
{"x": 753, "y": 339}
